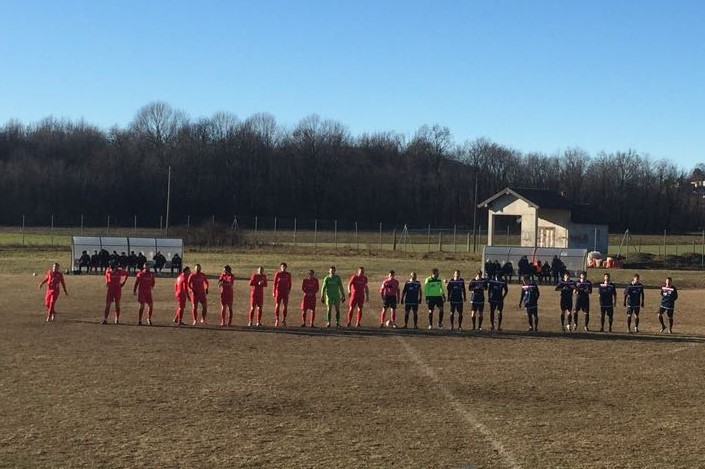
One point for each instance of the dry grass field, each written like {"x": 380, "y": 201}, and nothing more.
{"x": 78, "y": 394}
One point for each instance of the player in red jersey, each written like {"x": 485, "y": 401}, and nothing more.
{"x": 144, "y": 282}
{"x": 225, "y": 282}
{"x": 309, "y": 286}
{"x": 390, "y": 297}
{"x": 181, "y": 293}
{"x": 258, "y": 281}
{"x": 115, "y": 278}
{"x": 198, "y": 286}
{"x": 280, "y": 292}
{"x": 358, "y": 294}
{"x": 54, "y": 281}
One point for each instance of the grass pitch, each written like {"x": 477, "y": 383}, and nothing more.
{"x": 79, "y": 394}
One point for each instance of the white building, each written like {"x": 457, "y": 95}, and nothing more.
{"x": 548, "y": 220}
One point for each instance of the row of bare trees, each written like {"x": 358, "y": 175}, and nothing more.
{"x": 224, "y": 166}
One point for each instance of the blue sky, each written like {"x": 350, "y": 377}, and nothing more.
{"x": 542, "y": 75}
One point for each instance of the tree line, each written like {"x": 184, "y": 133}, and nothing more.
{"x": 224, "y": 166}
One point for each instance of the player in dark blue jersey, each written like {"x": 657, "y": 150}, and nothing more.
{"x": 496, "y": 292}
{"x": 669, "y": 295}
{"x": 477, "y": 288}
{"x": 634, "y": 301}
{"x": 582, "y": 300}
{"x": 456, "y": 297}
{"x": 566, "y": 287}
{"x": 411, "y": 298}
{"x": 608, "y": 297}
{"x": 530, "y": 300}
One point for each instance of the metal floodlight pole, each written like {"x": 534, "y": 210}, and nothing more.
{"x": 168, "y": 201}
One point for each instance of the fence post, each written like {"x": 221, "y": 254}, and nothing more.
{"x": 107, "y": 233}
{"x": 467, "y": 247}
{"x": 357, "y": 237}
{"x": 315, "y": 233}
{"x": 52, "y": 229}
{"x": 188, "y": 221}
{"x": 394, "y": 239}
{"x": 256, "y": 223}
{"x": 455, "y": 230}
{"x": 23, "y": 230}
{"x": 440, "y": 241}
{"x": 81, "y": 224}
{"x": 294, "y": 231}
{"x": 335, "y": 234}
{"x": 161, "y": 222}
{"x": 664, "y": 248}
{"x": 135, "y": 224}
{"x": 275, "y": 227}
{"x": 380, "y": 236}
{"x": 428, "y": 240}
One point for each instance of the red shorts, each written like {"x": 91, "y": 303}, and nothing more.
{"x": 50, "y": 297}
{"x": 144, "y": 297}
{"x": 226, "y": 298}
{"x": 199, "y": 297}
{"x": 308, "y": 302}
{"x": 358, "y": 301}
{"x": 256, "y": 299}
{"x": 281, "y": 297}
{"x": 181, "y": 301}
{"x": 113, "y": 295}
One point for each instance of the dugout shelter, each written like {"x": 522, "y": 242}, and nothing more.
{"x": 575, "y": 260}
{"x": 149, "y": 246}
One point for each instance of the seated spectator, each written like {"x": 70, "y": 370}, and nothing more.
{"x": 95, "y": 261}
{"x": 84, "y": 261}
{"x": 141, "y": 260}
{"x": 104, "y": 257}
{"x": 159, "y": 262}
{"x": 176, "y": 263}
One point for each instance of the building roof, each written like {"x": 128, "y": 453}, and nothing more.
{"x": 538, "y": 198}
{"x": 547, "y": 199}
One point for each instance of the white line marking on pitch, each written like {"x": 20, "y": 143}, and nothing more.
{"x": 461, "y": 410}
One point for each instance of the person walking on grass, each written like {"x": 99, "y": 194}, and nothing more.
{"x": 411, "y": 298}
{"x": 258, "y": 282}
{"x": 226, "y": 282}
{"x": 607, "y": 292}
{"x": 389, "y": 291}
{"x": 530, "y": 300}
{"x": 634, "y": 301}
{"x": 144, "y": 283}
{"x": 54, "y": 280}
{"x": 280, "y": 292}
{"x": 358, "y": 294}
{"x": 115, "y": 279}
{"x": 198, "y": 286}
{"x": 669, "y": 295}
{"x": 435, "y": 297}
{"x": 567, "y": 287}
{"x": 182, "y": 294}
{"x": 496, "y": 292}
{"x": 332, "y": 295}
{"x": 583, "y": 287}
{"x": 309, "y": 287}
{"x": 477, "y": 288}
{"x": 457, "y": 297}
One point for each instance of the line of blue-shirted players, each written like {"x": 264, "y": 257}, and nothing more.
{"x": 569, "y": 289}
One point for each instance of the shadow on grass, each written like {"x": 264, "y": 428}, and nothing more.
{"x": 420, "y": 333}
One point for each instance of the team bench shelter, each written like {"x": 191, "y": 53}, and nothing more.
{"x": 148, "y": 246}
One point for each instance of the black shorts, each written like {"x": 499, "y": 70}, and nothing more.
{"x": 434, "y": 301}
{"x": 497, "y": 306}
{"x": 532, "y": 310}
{"x": 582, "y": 305}
{"x": 390, "y": 302}
{"x": 566, "y": 305}
{"x": 608, "y": 310}
{"x": 479, "y": 307}
{"x": 633, "y": 309}
{"x": 411, "y": 307}
{"x": 668, "y": 311}
{"x": 456, "y": 307}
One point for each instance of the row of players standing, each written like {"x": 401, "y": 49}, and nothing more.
{"x": 195, "y": 287}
